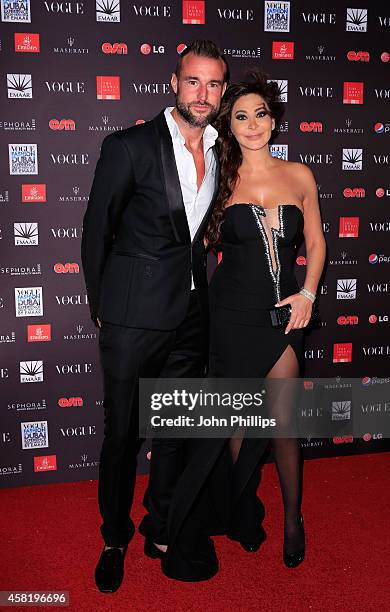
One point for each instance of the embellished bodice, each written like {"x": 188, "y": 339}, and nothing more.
{"x": 258, "y": 255}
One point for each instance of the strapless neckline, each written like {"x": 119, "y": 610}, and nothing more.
{"x": 263, "y": 207}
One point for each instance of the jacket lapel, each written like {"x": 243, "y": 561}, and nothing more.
{"x": 177, "y": 212}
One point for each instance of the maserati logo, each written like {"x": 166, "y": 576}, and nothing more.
{"x": 108, "y": 10}
{"x": 352, "y": 159}
{"x": 356, "y": 20}
{"x": 76, "y": 190}
{"x": 19, "y": 85}
{"x": 70, "y": 41}
{"x": 346, "y": 289}
{"x": 320, "y": 49}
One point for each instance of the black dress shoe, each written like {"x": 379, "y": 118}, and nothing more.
{"x": 109, "y": 570}
{"x": 251, "y": 545}
{"x": 190, "y": 563}
{"x": 151, "y": 550}
{"x": 294, "y": 559}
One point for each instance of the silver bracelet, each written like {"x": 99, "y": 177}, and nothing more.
{"x": 308, "y": 294}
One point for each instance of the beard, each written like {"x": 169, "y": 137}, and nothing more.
{"x": 196, "y": 121}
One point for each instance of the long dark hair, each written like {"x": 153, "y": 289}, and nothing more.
{"x": 228, "y": 149}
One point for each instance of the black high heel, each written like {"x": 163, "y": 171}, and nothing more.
{"x": 294, "y": 559}
{"x": 151, "y": 550}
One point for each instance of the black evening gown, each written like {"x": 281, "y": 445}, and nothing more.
{"x": 257, "y": 270}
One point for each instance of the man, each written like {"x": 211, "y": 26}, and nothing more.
{"x": 144, "y": 264}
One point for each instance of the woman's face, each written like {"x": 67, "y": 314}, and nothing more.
{"x": 251, "y": 122}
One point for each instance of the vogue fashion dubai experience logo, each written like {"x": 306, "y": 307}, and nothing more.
{"x": 23, "y": 158}
{"x": 34, "y": 434}
{"x": 108, "y": 11}
{"x": 276, "y": 16}
{"x": 28, "y": 302}
{"x": 31, "y": 371}
{"x": 356, "y": 20}
{"x": 19, "y": 85}
{"x": 17, "y": 12}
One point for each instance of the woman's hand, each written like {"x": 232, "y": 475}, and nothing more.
{"x": 301, "y": 308}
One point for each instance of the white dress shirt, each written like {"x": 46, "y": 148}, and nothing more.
{"x": 196, "y": 202}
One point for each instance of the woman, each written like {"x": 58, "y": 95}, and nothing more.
{"x": 264, "y": 207}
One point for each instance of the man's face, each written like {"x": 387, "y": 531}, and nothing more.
{"x": 199, "y": 89}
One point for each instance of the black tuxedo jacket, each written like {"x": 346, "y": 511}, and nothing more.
{"x": 136, "y": 248}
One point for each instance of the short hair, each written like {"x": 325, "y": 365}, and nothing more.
{"x": 204, "y": 48}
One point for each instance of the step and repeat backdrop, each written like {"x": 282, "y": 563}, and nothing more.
{"x": 74, "y": 71}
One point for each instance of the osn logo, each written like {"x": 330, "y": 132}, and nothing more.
{"x": 111, "y": 49}
{"x": 347, "y": 320}
{"x": 354, "y": 192}
{"x": 69, "y": 402}
{"x": 62, "y": 124}
{"x": 72, "y": 268}
{"x": 313, "y": 126}
{"x": 358, "y": 56}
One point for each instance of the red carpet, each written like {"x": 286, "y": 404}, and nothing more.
{"x": 50, "y": 541}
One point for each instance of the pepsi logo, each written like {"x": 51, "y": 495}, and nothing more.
{"x": 366, "y": 381}
{"x": 373, "y": 258}
{"x": 180, "y": 48}
{"x": 139, "y": 121}
{"x": 301, "y": 260}
{"x": 379, "y": 128}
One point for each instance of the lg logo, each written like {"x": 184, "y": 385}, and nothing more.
{"x": 146, "y": 49}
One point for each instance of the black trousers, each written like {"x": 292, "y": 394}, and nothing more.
{"x": 128, "y": 354}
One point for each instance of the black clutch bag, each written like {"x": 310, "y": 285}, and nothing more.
{"x": 281, "y": 316}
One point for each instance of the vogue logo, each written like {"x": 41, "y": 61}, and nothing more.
{"x": 34, "y": 193}
{"x": 329, "y": 18}
{"x": 194, "y": 12}
{"x": 313, "y": 126}
{"x": 79, "y": 431}
{"x": 70, "y": 159}
{"x": 236, "y": 14}
{"x": 26, "y": 43}
{"x": 119, "y": 48}
{"x": 70, "y": 87}
{"x": 316, "y": 92}
{"x": 67, "y": 8}
{"x": 383, "y": 94}
{"x": 151, "y": 10}
{"x": 316, "y": 158}
{"x": 378, "y": 287}
{"x": 62, "y": 124}
{"x": 69, "y": 402}
{"x": 380, "y": 226}
{"x": 72, "y": 268}
{"x": 67, "y": 232}
{"x": 382, "y": 160}
{"x": 354, "y": 192}
{"x": 376, "y": 351}
{"x": 151, "y": 88}
{"x": 358, "y": 56}
{"x": 72, "y": 300}
{"x": 74, "y": 368}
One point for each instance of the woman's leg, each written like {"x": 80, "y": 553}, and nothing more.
{"x": 287, "y": 451}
